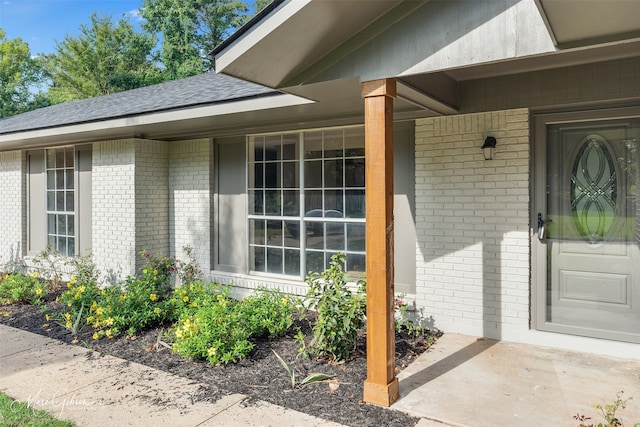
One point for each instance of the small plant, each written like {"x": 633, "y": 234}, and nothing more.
{"x": 21, "y": 288}
{"x": 188, "y": 271}
{"x": 608, "y": 412}
{"x": 311, "y": 378}
{"x": 407, "y": 321}
{"x": 340, "y": 313}
{"x": 48, "y": 265}
{"x": 268, "y": 312}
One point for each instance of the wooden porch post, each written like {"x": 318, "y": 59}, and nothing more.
{"x": 381, "y": 386}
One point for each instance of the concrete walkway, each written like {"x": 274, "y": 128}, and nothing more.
{"x": 463, "y": 381}
{"x": 90, "y": 389}
{"x": 460, "y": 381}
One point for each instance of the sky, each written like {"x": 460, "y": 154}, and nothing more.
{"x": 41, "y": 23}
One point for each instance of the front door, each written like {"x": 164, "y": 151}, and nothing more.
{"x": 587, "y": 228}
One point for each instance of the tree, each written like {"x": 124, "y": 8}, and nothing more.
{"x": 190, "y": 29}
{"x": 18, "y": 74}
{"x": 105, "y": 58}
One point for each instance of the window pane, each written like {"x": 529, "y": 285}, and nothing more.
{"x": 356, "y": 237}
{"x": 315, "y": 261}
{"x": 257, "y": 154}
{"x": 272, "y": 202}
{"x": 289, "y": 144}
{"x": 51, "y": 159}
{"x": 256, "y": 178}
{"x": 335, "y": 235}
{"x": 333, "y": 204}
{"x": 292, "y": 233}
{"x": 333, "y": 173}
{"x": 354, "y": 172}
{"x": 51, "y": 180}
{"x": 333, "y": 143}
{"x": 274, "y": 233}
{"x": 60, "y": 179}
{"x": 354, "y": 142}
{"x": 256, "y": 231}
{"x": 51, "y": 224}
{"x": 313, "y": 145}
{"x": 69, "y": 179}
{"x": 272, "y": 175}
{"x": 272, "y": 147}
{"x": 68, "y": 157}
{"x": 256, "y": 202}
{"x": 71, "y": 246}
{"x": 313, "y": 203}
{"x": 257, "y": 258}
{"x": 291, "y": 262}
{"x": 291, "y": 203}
{"x": 51, "y": 242}
{"x": 313, "y": 174}
{"x": 315, "y": 234}
{"x": 62, "y": 246}
{"x": 274, "y": 260}
{"x": 69, "y": 201}
{"x": 60, "y": 201}
{"x": 290, "y": 174}
{"x": 51, "y": 200}
{"x": 59, "y": 158}
{"x": 62, "y": 225}
{"x": 356, "y": 263}
{"x": 70, "y": 225}
{"x": 355, "y": 206}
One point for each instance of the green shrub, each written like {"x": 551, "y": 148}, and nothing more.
{"x": 268, "y": 312}
{"x": 219, "y": 329}
{"x": 216, "y": 332}
{"x": 340, "y": 313}
{"x": 20, "y": 288}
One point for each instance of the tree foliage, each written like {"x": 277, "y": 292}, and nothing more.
{"x": 106, "y": 57}
{"x": 18, "y": 72}
{"x": 190, "y": 29}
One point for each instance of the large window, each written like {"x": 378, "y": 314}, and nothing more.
{"x": 60, "y": 189}
{"x": 306, "y": 200}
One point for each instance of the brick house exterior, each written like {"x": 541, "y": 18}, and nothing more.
{"x": 173, "y": 164}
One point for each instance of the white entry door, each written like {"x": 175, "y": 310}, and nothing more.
{"x": 588, "y": 229}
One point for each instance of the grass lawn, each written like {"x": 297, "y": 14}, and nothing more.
{"x": 18, "y": 414}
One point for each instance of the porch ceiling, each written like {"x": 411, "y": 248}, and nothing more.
{"x": 580, "y": 23}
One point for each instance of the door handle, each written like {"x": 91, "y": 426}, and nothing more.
{"x": 542, "y": 226}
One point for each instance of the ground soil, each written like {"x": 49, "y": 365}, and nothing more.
{"x": 261, "y": 376}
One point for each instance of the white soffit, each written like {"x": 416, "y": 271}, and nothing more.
{"x": 294, "y": 36}
{"x": 583, "y": 22}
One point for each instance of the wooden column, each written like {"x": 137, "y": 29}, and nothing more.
{"x": 381, "y": 386}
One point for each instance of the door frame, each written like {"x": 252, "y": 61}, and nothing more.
{"x": 538, "y": 204}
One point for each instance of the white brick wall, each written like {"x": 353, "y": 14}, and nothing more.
{"x": 152, "y": 198}
{"x": 12, "y": 206}
{"x": 190, "y": 199}
{"x": 472, "y": 221}
{"x": 113, "y": 208}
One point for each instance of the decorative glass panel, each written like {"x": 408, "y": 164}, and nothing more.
{"x": 593, "y": 190}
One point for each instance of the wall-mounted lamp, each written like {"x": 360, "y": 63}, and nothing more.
{"x": 488, "y": 147}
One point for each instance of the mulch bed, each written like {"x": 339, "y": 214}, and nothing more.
{"x": 261, "y": 376}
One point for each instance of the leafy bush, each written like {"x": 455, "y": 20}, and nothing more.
{"x": 219, "y": 329}
{"x": 340, "y": 313}
{"x": 20, "y": 288}
{"x": 216, "y": 332}
{"x": 268, "y": 312}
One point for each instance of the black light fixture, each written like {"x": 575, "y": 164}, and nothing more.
{"x": 488, "y": 147}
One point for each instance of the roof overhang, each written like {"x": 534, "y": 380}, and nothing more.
{"x": 588, "y": 22}
{"x": 165, "y": 125}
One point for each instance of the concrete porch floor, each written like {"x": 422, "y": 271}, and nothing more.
{"x": 465, "y": 381}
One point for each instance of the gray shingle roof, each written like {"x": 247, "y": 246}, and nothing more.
{"x": 203, "y": 89}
